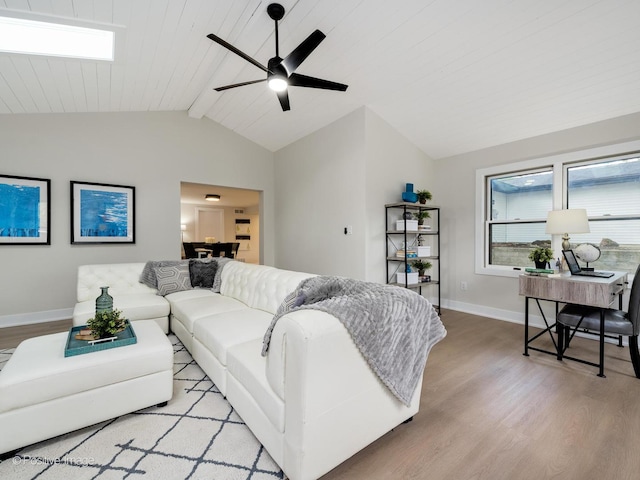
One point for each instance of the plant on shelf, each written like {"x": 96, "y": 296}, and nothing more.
{"x": 424, "y": 195}
{"x": 106, "y": 324}
{"x": 541, "y": 256}
{"x": 421, "y": 215}
{"x": 421, "y": 266}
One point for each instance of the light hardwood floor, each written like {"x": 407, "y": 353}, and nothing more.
{"x": 489, "y": 413}
{"x": 10, "y": 337}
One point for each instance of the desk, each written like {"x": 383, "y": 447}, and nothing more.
{"x": 590, "y": 291}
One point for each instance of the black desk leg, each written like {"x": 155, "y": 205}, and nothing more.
{"x": 601, "y": 373}
{"x": 526, "y": 326}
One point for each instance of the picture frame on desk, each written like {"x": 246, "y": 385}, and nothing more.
{"x": 102, "y": 213}
{"x": 25, "y": 210}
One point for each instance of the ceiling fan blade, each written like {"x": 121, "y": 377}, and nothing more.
{"x": 228, "y": 46}
{"x": 302, "y": 51}
{"x": 283, "y": 96}
{"x": 297, "y": 80}
{"x": 227, "y": 87}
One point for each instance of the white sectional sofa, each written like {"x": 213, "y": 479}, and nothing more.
{"x": 312, "y": 401}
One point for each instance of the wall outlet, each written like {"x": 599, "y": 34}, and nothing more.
{"x": 464, "y": 286}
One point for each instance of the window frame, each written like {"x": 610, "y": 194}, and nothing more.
{"x": 558, "y": 164}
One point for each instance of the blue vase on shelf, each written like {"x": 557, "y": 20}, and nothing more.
{"x": 409, "y": 195}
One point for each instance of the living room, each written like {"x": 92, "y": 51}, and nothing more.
{"x": 342, "y": 173}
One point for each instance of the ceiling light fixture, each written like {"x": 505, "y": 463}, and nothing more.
{"x": 210, "y": 197}
{"x": 55, "y": 39}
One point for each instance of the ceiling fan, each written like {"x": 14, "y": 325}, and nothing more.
{"x": 281, "y": 71}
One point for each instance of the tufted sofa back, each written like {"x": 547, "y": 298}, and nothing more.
{"x": 259, "y": 286}
{"x": 121, "y": 278}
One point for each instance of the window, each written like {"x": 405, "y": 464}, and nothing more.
{"x": 31, "y": 37}
{"x": 610, "y": 192}
{"x": 512, "y": 202}
{"x": 519, "y": 205}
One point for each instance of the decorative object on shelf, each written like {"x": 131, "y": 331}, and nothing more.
{"x": 102, "y": 213}
{"x": 541, "y": 256}
{"x": 107, "y": 324}
{"x": 104, "y": 303}
{"x": 587, "y": 252}
{"x": 409, "y": 195}
{"x": 421, "y": 266}
{"x": 420, "y": 216}
{"x": 25, "y": 213}
{"x": 423, "y": 196}
{"x": 410, "y": 225}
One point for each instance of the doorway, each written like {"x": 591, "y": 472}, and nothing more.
{"x": 233, "y": 217}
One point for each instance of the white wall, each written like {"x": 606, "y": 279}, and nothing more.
{"x": 455, "y": 191}
{"x": 343, "y": 175}
{"x": 320, "y": 188}
{"x": 391, "y": 162}
{"x": 153, "y": 152}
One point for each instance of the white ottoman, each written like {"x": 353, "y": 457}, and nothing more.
{"x": 44, "y": 394}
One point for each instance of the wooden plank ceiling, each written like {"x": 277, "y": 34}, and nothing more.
{"x": 451, "y": 75}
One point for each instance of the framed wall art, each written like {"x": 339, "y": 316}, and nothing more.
{"x": 25, "y": 211}
{"x": 102, "y": 213}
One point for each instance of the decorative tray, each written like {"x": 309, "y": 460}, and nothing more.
{"x": 79, "y": 347}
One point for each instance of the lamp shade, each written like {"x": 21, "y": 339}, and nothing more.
{"x": 567, "y": 221}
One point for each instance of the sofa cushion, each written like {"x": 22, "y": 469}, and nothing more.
{"x": 247, "y": 365}
{"x": 241, "y": 280}
{"x": 121, "y": 278}
{"x": 187, "y": 309}
{"x": 224, "y": 330}
{"x": 273, "y": 286}
{"x": 140, "y": 306}
{"x": 173, "y": 279}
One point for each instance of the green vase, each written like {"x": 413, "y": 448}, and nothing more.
{"x": 104, "y": 303}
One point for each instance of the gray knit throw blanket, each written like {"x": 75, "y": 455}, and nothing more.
{"x": 394, "y": 328}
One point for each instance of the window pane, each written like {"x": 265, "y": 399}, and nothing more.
{"x": 521, "y": 197}
{"x": 510, "y": 244}
{"x": 619, "y": 243}
{"x": 606, "y": 188}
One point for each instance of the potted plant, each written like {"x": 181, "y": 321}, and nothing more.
{"x": 541, "y": 256}
{"x": 421, "y": 266}
{"x": 421, "y": 215}
{"x": 106, "y": 324}
{"x": 424, "y": 195}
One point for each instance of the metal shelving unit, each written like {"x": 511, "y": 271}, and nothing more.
{"x": 397, "y": 238}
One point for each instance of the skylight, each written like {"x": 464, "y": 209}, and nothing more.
{"x": 55, "y": 39}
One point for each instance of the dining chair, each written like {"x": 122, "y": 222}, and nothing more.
{"x": 617, "y": 322}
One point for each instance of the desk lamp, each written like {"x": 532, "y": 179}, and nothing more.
{"x": 567, "y": 221}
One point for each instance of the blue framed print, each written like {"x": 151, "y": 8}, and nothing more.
{"x": 102, "y": 213}
{"x": 25, "y": 211}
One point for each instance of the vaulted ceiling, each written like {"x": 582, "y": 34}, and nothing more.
{"x": 451, "y": 75}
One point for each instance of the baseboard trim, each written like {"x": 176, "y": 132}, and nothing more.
{"x": 22, "y": 319}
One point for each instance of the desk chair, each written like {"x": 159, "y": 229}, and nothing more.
{"x": 617, "y": 322}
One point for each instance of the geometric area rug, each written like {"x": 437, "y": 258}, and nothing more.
{"x": 197, "y": 435}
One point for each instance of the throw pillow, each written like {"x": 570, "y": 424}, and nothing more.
{"x": 202, "y": 273}
{"x": 173, "y": 279}
{"x": 148, "y": 275}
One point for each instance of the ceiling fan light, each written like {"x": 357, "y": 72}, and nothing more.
{"x": 278, "y": 84}
{"x": 210, "y": 197}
